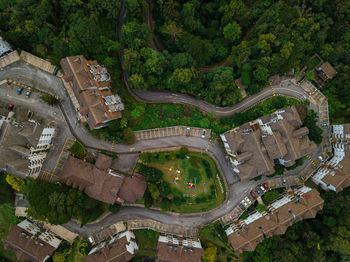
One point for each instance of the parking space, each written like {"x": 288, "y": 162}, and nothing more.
{"x": 171, "y": 131}
{"x": 162, "y": 227}
{"x": 38, "y": 62}
{"x": 63, "y": 155}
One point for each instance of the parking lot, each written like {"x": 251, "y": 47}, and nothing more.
{"x": 8, "y": 59}
{"x": 171, "y": 131}
{"x": 56, "y": 172}
{"x": 38, "y": 62}
{"x": 163, "y": 228}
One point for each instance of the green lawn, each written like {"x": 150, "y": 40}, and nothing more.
{"x": 7, "y": 220}
{"x": 199, "y": 168}
{"x": 147, "y": 241}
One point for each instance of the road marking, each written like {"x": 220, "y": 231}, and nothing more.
{"x": 167, "y": 132}
{"x": 163, "y": 132}
{"x": 208, "y": 146}
{"x": 155, "y": 134}
{"x": 311, "y": 160}
{"x": 158, "y": 132}
{"x": 150, "y": 134}
{"x": 171, "y": 129}
{"x": 197, "y": 132}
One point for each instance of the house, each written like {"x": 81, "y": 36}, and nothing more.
{"x": 326, "y": 72}
{"x": 102, "y": 183}
{"x": 173, "y": 249}
{"x": 300, "y": 203}
{"x": 122, "y": 247}
{"x": 254, "y": 148}
{"x": 335, "y": 174}
{"x": 88, "y": 85}
{"x": 31, "y": 242}
{"x": 23, "y": 145}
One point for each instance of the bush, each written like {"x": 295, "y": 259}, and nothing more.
{"x": 148, "y": 200}
{"x": 78, "y": 150}
{"x": 6, "y": 191}
{"x": 15, "y": 182}
{"x": 51, "y": 100}
{"x": 195, "y": 161}
{"x": 165, "y": 204}
{"x": 114, "y": 208}
{"x": 261, "y": 208}
{"x": 177, "y": 201}
{"x": 152, "y": 175}
{"x": 128, "y": 136}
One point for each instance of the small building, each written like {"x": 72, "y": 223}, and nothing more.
{"x": 122, "y": 247}
{"x": 174, "y": 249}
{"x": 326, "y": 72}
{"x": 23, "y": 145}
{"x": 335, "y": 174}
{"x": 298, "y": 204}
{"x": 254, "y": 148}
{"x": 5, "y": 47}
{"x": 102, "y": 183}
{"x": 107, "y": 233}
{"x": 31, "y": 242}
{"x": 88, "y": 85}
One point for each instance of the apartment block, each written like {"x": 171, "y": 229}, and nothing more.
{"x": 335, "y": 173}
{"x": 175, "y": 249}
{"x": 300, "y": 203}
{"x": 88, "y": 85}
{"x": 255, "y": 147}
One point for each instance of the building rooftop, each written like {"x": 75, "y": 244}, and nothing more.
{"x": 254, "y": 147}
{"x": 30, "y": 242}
{"x": 173, "y": 249}
{"x": 100, "y": 182}
{"x": 120, "y": 248}
{"x": 301, "y": 203}
{"x": 91, "y": 86}
{"x": 327, "y": 70}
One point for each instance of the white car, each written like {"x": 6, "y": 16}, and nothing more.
{"x": 263, "y": 189}
{"x": 244, "y": 203}
{"x": 248, "y": 200}
{"x": 188, "y": 131}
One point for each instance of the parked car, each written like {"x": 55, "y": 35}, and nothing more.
{"x": 188, "y": 131}
{"x": 284, "y": 181}
{"x": 253, "y": 195}
{"x": 19, "y": 90}
{"x": 248, "y": 200}
{"x": 266, "y": 186}
{"x": 242, "y": 207}
{"x": 244, "y": 203}
{"x": 262, "y": 189}
{"x": 258, "y": 191}
{"x": 203, "y": 134}
{"x": 28, "y": 93}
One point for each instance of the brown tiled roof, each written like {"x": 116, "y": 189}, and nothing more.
{"x": 133, "y": 188}
{"x": 27, "y": 248}
{"x": 329, "y": 70}
{"x": 288, "y": 141}
{"x": 103, "y": 161}
{"x": 276, "y": 223}
{"x": 178, "y": 254}
{"x": 88, "y": 96}
{"x": 102, "y": 184}
{"x": 114, "y": 252}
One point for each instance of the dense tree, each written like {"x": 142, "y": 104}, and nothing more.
{"x": 15, "y": 182}
{"x": 232, "y": 32}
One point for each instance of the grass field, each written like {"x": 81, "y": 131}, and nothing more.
{"x": 209, "y": 191}
{"x": 7, "y": 220}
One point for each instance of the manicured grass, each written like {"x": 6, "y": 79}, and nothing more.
{"x": 147, "y": 241}
{"x": 198, "y": 167}
{"x": 7, "y": 220}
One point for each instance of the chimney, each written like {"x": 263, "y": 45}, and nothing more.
{"x": 293, "y": 215}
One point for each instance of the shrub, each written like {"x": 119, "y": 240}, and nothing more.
{"x": 51, "y": 100}
{"x": 165, "y": 204}
{"x": 128, "y": 136}
{"x": 114, "y": 208}
{"x": 78, "y": 150}
{"x": 177, "y": 201}
{"x": 15, "y": 182}
{"x": 195, "y": 162}
{"x": 261, "y": 208}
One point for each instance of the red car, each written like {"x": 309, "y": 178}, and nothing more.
{"x": 266, "y": 186}
{"x": 253, "y": 195}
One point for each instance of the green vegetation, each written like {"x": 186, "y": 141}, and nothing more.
{"x": 58, "y": 204}
{"x": 147, "y": 241}
{"x": 279, "y": 169}
{"x": 214, "y": 235}
{"x": 325, "y": 238}
{"x": 261, "y": 208}
{"x": 164, "y": 168}
{"x": 312, "y": 63}
{"x": 49, "y": 99}
{"x": 78, "y": 150}
{"x": 315, "y": 132}
{"x": 15, "y": 182}
{"x": 6, "y": 191}
{"x": 272, "y": 195}
{"x": 71, "y": 253}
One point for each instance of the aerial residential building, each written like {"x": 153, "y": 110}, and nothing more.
{"x": 301, "y": 203}
{"x": 23, "y": 145}
{"x": 121, "y": 247}
{"x": 31, "y": 242}
{"x": 174, "y": 249}
{"x": 255, "y": 147}
{"x": 326, "y": 72}
{"x": 88, "y": 85}
{"x": 102, "y": 183}
{"x": 335, "y": 174}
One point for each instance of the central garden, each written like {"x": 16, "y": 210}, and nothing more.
{"x": 181, "y": 181}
